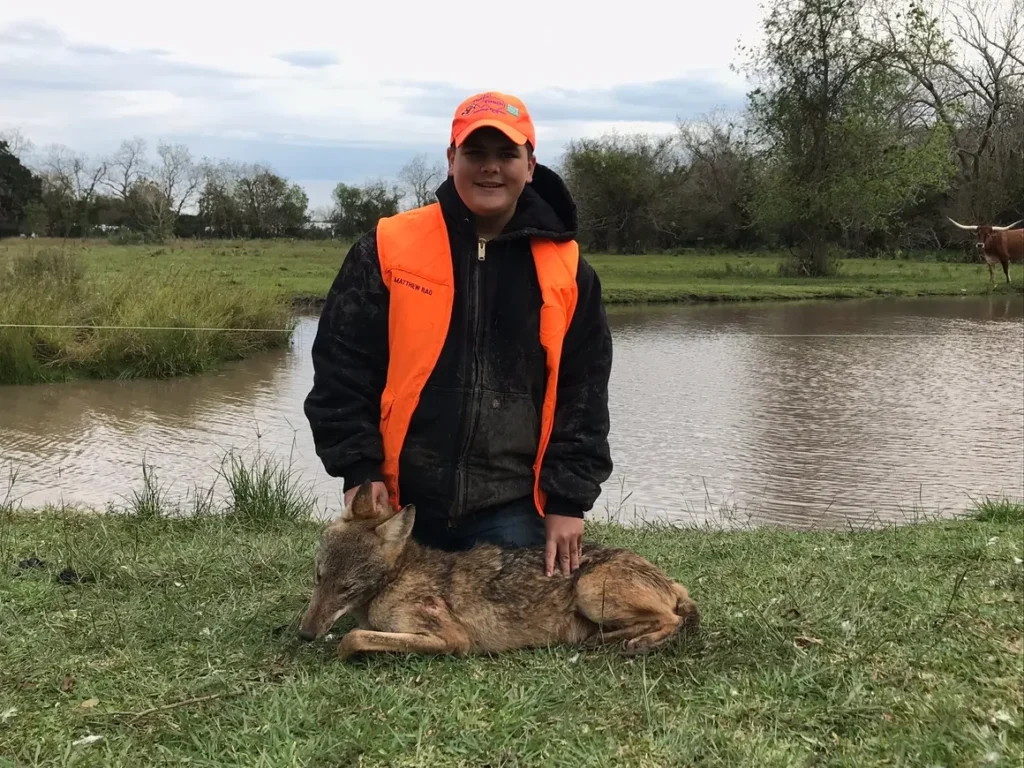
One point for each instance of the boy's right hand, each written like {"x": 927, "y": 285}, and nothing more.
{"x": 380, "y": 494}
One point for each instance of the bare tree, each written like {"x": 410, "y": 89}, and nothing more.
{"x": 422, "y": 178}
{"x": 126, "y": 166}
{"x": 18, "y": 144}
{"x": 172, "y": 184}
{"x": 989, "y": 70}
{"x": 72, "y": 181}
{"x": 969, "y": 79}
{"x": 178, "y": 176}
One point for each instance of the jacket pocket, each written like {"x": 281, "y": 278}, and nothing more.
{"x": 507, "y": 433}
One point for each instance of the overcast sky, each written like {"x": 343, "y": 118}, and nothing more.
{"x": 327, "y": 93}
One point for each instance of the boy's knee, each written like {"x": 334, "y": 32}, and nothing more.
{"x": 511, "y": 526}
{"x": 517, "y": 525}
{"x": 514, "y": 536}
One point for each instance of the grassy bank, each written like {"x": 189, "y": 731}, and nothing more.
{"x": 137, "y": 639}
{"x": 302, "y": 271}
{"x": 53, "y": 286}
{"x": 247, "y": 285}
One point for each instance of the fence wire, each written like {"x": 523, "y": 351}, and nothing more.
{"x": 144, "y": 328}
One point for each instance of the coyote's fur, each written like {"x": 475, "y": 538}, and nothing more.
{"x": 414, "y": 599}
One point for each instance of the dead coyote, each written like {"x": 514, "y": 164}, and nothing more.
{"x": 414, "y": 599}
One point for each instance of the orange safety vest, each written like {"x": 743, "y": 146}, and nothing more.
{"x": 416, "y": 266}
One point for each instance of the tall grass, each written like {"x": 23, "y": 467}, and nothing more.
{"x": 261, "y": 490}
{"x": 151, "y": 501}
{"x": 264, "y": 490}
{"x": 52, "y": 287}
{"x": 7, "y": 507}
{"x": 1000, "y": 510}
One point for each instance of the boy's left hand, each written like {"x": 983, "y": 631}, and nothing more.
{"x": 564, "y": 543}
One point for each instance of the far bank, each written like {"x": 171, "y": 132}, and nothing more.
{"x": 303, "y": 270}
{"x": 253, "y": 288}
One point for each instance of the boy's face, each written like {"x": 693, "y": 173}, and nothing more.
{"x": 490, "y": 172}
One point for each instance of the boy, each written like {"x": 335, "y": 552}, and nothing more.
{"x": 462, "y": 357}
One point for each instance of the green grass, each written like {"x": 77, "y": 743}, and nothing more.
{"x": 257, "y": 284}
{"x": 899, "y": 646}
{"x": 742, "y": 277}
{"x": 50, "y": 286}
{"x": 302, "y": 271}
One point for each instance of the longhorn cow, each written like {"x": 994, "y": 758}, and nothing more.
{"x": 998, "y": 245}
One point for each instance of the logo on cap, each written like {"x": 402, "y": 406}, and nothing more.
{"x": 497, "y": 110}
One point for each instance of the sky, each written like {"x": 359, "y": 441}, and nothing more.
{"x": 326, "y": 93}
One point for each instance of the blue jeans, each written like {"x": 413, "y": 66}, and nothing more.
{"x": 512, "y": 525}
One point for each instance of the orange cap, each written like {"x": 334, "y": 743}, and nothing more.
{"x": 496, "y": 110}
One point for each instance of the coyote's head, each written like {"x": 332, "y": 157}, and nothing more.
{"x": 355, "y": 553}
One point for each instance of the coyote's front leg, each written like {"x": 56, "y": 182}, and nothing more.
{"x": 362, "y": 640}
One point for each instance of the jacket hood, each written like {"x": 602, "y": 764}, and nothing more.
{"x": 545, "y": 208}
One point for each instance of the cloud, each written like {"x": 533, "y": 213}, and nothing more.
{"x": 662, "y": 101}
{"x": 291, "y": 102}
{"x": 309, "y": 59}
{"x": 36, "y": 56}
{"x": 340, "y": 161}
{"x": 30, "y": 33}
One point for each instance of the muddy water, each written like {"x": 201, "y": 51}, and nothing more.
{"x": 800, "y": 414}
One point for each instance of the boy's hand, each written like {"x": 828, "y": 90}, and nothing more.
{"x": 564, "y": 543}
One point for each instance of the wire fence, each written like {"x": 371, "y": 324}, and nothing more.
{"x": 942, "y": 335}
{"x": 144, "y": 328}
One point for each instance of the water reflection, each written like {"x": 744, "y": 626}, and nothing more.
{"x": 797, "y": 414}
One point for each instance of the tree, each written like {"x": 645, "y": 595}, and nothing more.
{"x": 833, "y": 154}
{"x": 239, "y": 200}
{"x": 171, "y": 185}
{"x": 125, "y": 167}
{"x": 626, "y": 188}
{"x": 357, "y": 209}
{"x": 20, "y": 192}
{"x": 70, "y": 181}
{"x": 717, "y": 184}
{"x": 267, "y": 205}
{"x": 966, "y": 67}
{"x": 36, "y": 220}
{"x": 152, "y": 209}
{"x": 18, "y": 144}
{"x": 219, "y": 212}
{"x": 422, "y": 178}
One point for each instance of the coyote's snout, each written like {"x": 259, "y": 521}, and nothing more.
{"x": 414, "y": 599}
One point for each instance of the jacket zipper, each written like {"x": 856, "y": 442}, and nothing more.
{"x": 472, "y": 411}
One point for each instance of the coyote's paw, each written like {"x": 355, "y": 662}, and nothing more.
{"x": 651, "y": 640}
{"x": 637, "y": 646}
{"x": 346, "y": 648}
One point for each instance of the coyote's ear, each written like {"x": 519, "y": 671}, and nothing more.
{"x": 396, "y": 529}
{"x": 361, "y": 506}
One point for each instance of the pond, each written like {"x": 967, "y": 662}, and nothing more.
{"x": 801, "y": 414}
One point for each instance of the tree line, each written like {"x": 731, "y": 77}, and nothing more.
{"x": 871, "y": 121}
{"x": 58, "y": 192}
